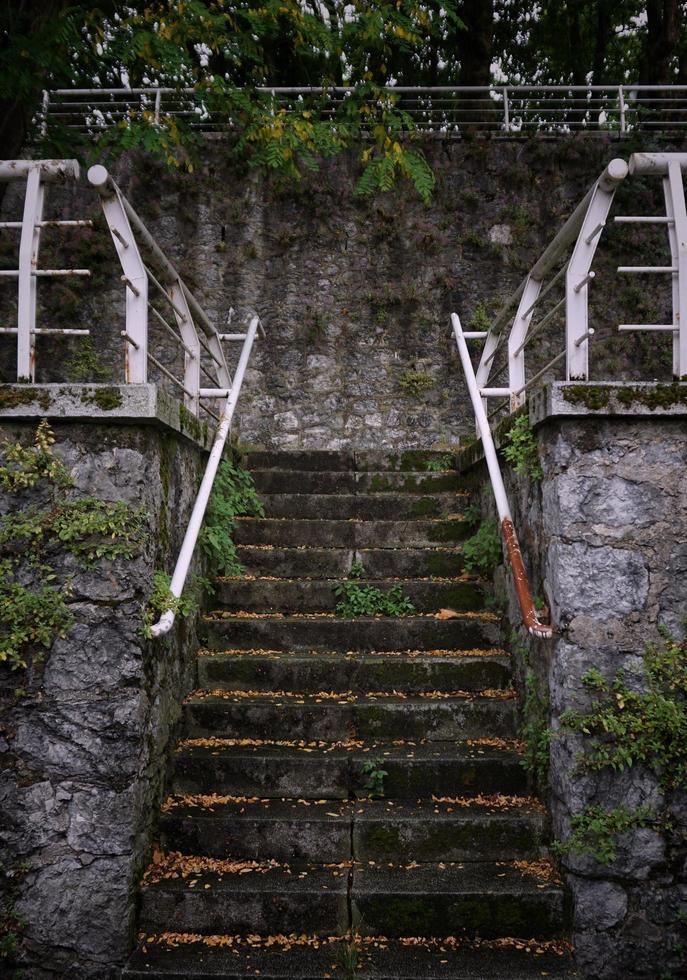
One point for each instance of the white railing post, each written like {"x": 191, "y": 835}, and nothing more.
{"x": 189, "y": 335}
{"x": 506, "y": 110}
{"x": 677, "y": 234}
{"x": 516, "y": 342}
{"x": 134, "y": 276}
{"x": 28, "y": 264}
{"x": 621, "y": 103}
{"x": 576, "y": 279}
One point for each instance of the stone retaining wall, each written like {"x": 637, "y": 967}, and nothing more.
{"x": 604, "y": 536}
{"x": 84, "y": 737}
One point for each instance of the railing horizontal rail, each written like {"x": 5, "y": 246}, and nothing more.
{"x": 441, "y": 109}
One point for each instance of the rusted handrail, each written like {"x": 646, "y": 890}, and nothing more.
{"x": 522, "y": 588}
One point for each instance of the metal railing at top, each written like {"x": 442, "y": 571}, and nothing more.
{"x": 145, "y": 269}
{"x": 566, "y": 263}
{"x": 444, "y": 111}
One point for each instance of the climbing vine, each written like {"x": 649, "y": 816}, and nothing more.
{"x": 233, "y": 495}
{"x": 482, "y": 550}
{"x": 34, "y": 606}
{"x": 624, "y": 727}
{"x": 522, "y": 450}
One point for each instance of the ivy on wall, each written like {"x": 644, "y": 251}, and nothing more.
{"x": 34, "y": 607}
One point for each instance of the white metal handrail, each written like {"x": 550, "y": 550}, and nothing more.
{"x": 529, "y": 615}
{"x": 37, "y": 174}
{"x": 573, "y": 250}
{"x": 443, "y": 110}
{"x": 166, "y": 621}
{"x": 581, "y": 234}
{"x": 127, "y": 229}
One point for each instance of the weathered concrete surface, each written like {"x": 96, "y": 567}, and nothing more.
{"x": 604, "y": 536}
{"x": 83, "y": 744}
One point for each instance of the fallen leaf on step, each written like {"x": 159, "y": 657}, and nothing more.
{"x": 447, "y": 614}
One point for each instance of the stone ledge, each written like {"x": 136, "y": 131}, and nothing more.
{"x": 127, "y": 404}
{"x": 583, "y": 399}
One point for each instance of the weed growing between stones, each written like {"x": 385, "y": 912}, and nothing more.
{"x": 482, "y": 551}
{"x": 522, "y": 451}
{"x": 233, "y": 495}
{"x": 594, "y": 831}
{"x": 85, "y": 365}
{"x": 628, "y": 727}
{"x": 376, "y": 773}
{"x": 534, "y": 731}
{"x": 33, "y": 608}
{"x": 368, "y": 600}
{"x": 439, "y": 465}
{"x": 161, "y": 600}
{"x": 416, "y": 383}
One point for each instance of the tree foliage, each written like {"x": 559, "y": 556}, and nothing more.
{"x": 231, "y": 53}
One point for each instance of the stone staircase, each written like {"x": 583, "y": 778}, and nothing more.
{"x": 276, "y": 859}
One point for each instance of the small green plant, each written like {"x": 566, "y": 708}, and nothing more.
{"x": 535, "y": 732}
{"x": 162, "y": 599}
{"x": 439, "y": 464}
{"x": 626, "y": 727}
{"x": 29, "y": 618}
{"x": 84, "y": 365}
{"x": 482, "y": 551}
{"x": 23, "y": 466}
{"x": 481, "y": 320}
{"x": 33, "y": 607}
{"x": 416, "y": 383}
{"x": 349, "y": 958}
{"x": 594, "y": 831}
{"x": 376, "y": 773}
{"x": 356, "y": 570}
{"x": 368, "y": 600}
{"x": 472, "y": 515}
{"x": 233, "y": 495}
{"x": 522, "y": 450}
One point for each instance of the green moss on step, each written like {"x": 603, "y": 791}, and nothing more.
{"x": 381, "y": 839}
{"x": 447, "y": 531}
{"x": 426, "y": 507}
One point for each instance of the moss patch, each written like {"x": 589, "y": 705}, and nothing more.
{"x": 592, "y": 397}
{"x": 106, "y": 399}
{"x": 11, "y": 396}
{"x": 657, "y": 396}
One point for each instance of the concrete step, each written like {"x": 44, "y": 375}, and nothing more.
{"x": 323, "y": 631}
{"x": 234, "y": 899}
{"x": 308, "y": 460}
{"x": 288, "y": 532}
{"x": 313, "y": 717}
{"x": 489, "y": 899}
{"x": 498, "y": 828}
{"x": 311, "y": 671}
{"x": 317, "y": 595}
{"x": 374, "y": 958}
{"x": 365, "y": 459}
{"x": 347, "y": 482}
{"x": 484, "y": 899}
{"x": 281, "y": 767}
{"x": 365, "y": 506}
{"x": 337, "y": 562}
